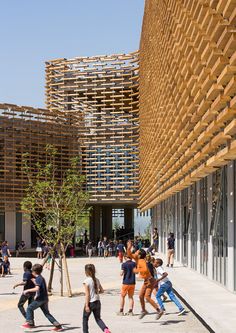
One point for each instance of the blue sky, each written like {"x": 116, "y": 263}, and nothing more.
{"x": 33, "y": 31}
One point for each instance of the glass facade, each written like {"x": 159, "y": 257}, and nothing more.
{"x": 203, "y": 226}
{"x": 2, "y": 226}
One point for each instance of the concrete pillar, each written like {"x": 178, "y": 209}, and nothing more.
{"x": 198, "y": 228}
{"x": 180, "y": 240}
{"x": 26, "y": 230}
{"x": 189, "y": 251}
{"x": 107, "y": 221}
{"x": 95, "y": 223}
{"x": 129, "y": 218}
{"x": 10, "y": 228}
{"x": 231, "y": 225}
{"x": 210, "y": 240}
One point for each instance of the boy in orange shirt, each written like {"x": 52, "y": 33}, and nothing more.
{"x": 149, "y": 282}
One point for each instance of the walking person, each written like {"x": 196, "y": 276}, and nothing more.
{"x": 39, "y": 249}
{"x": 100, "y": 249}
{"x": 165, "y": 285}
{"x": 170, "y": 249}
{"x": 148, "y": 283}
{"x": 92, "y": 300}
{"x": 105, "y": 247}
{"x": 155, "y": 239}
{"x": 90, "y": 249}
{"x": 40, "y": 301}
{"x": 27, "y": 283}
{"x": 128, "y": 285}
{"x": 121, "y": 250}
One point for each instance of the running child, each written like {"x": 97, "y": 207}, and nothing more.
{"x": 92, "y": 300}
{"x": 128, "y": 285}
{"x": 164, "y": 285}
{"x": 27, "y": 283}
{"x": 148, "y": 283}
{"x": 40, "y": 301}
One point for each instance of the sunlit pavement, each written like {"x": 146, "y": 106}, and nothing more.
{"x": 69, "y": 310}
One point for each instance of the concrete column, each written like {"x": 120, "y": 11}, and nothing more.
{"x": 210, "y": 241}
{"x": 129, "y": 218}
{"x": 180, "y": 240}
{"x": 198, "y": 228}
{"x": 107, "y": 221}
{"x": 26, "y": 230}
{"x": 189, "y": 253}
{"x": 10, "y": 228}
{"x": 231, "y": 225}
{"x": 95, "y": 223}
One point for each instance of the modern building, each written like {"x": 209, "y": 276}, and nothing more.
{"x": 102, "y": 91}
{"x": 24, "y": 129}
{"x": 187, "y": 120}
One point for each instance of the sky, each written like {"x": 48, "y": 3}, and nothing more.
{"x": 34, "y": 31}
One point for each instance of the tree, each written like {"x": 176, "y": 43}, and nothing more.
{"x": 55, "y": 201}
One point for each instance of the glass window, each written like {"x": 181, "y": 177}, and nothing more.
{"x": 203, "y": 226}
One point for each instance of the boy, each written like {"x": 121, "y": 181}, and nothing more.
{"x": 164, "y": 285}
{"x": 5, "y": 266}
{"x": 28, "y": 284}
{"x": 128, "y": 285}
{"x": 149, "y": 282}
{"x": 40, "y": 301}
{"x": 170, "y": 249}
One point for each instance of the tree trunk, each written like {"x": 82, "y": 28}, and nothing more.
{"x": 66, "y": 271}
{"x": 51, "y": 274}
{"x": 61, "y": 272}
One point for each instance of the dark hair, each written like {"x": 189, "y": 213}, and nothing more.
{"x": 142, "y": 253}
{"x": 37, "y": 268}
{"x": 90, "y": 271}
{"x": 27, "y": 265}
{"x": 159, "y": 261}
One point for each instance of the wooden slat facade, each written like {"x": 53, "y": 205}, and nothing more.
{"x": 28, "y": 130}
{"x": 102, "y": 91}
{"x": 187, "y": 94}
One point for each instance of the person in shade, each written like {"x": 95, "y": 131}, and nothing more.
{"x": 5, "y": 266}
{"x": 40, "y": 301}
{"x": 148, "y": 280}
{"x": 27, "y": 283}
{"x": 128, "y": 285}
{"x": 92, "y": 300}
{"x": 164, "y": 285}
{"x": 170, "y": 249}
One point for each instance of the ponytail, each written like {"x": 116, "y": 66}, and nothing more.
{"x": 90, "y": 271}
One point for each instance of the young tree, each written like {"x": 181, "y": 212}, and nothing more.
{"x": 55, "y": 201}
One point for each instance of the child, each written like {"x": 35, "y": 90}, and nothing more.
{"x": 128, "y": 285}
{"x": 121, "y": 250}
{"x": 28, "y": 284}
{"x": 170, "y": 249}
{"x": 5, "y": 266}
{"x": 40, "y": 301}
{"x": 164, "y": 285}
{"x": 92, "y": 300}
{"x": 148, "y": 283}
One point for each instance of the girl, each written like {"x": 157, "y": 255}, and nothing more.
{"x": 92, "y": 300}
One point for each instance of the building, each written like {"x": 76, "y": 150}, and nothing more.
{"x": 188, "y": 131}
{"x": 102, "y": 91}
{"x": 24, "y": 129}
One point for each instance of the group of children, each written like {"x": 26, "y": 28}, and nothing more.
{"x": 155, "y": 281}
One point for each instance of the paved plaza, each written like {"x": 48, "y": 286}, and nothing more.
{"x": 69, "y": 310}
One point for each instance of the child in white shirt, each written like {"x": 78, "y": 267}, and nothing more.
{"x": 164, "y": 285}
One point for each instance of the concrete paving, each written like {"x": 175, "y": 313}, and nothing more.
{"x": 211, "y": 301}
{"x": 69, "y": 310}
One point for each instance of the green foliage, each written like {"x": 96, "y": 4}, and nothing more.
{"x": 55, "y": 200}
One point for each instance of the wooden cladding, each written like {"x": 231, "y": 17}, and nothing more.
{"x": 102, "y": 92}
{"x": 28, "y": 130}
{"x": 187, "y": 94}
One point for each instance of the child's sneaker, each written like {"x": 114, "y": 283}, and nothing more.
{"x": 57, "y": 329}
{"x": 181, "y": 312}
{"x": 107, "y": 330}
{"x": 142, "y": 314}
{"x": 129, "y": 313}
{"x": 159, "y": 314}
{"x": 120, "y": 313}
{"x": 27, "y": 326}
